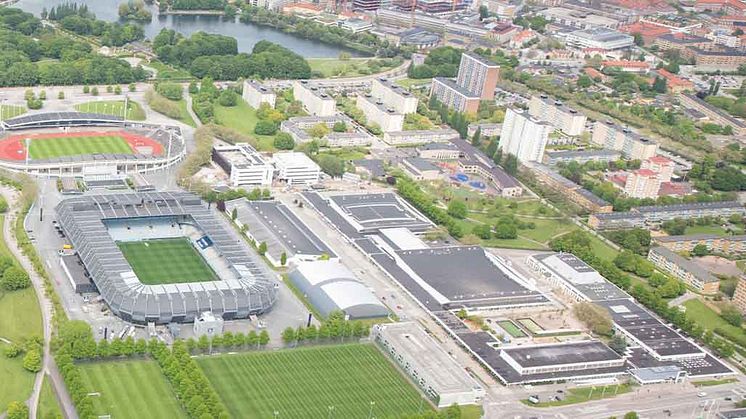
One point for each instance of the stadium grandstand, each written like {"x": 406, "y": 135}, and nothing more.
{"x": 165, "y": 257}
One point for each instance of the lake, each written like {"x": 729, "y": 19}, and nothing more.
{"x": 246, "y": 34}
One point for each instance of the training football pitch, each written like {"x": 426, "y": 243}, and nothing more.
{"x": 47, "y": 148}
{"x": 166, "y": 261}
{"x": 339, "y": 381}
{"x": 130, "y": 389}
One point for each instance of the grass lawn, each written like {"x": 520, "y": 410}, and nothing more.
{"x": 243, "y": 119}
{"x": 11, "y": 111}
{"x": 166, "y": 261}
{"x": 130, "y": 389}
{"x": 46, "y": 148}
{"x": 531, "y": 325}
{"x": 21, "y": 317}
{"x": 166, "y": 72}
{"x": 334, "y": 67}
{"x": 601, "y": 249}
{"x": 580, "y": 395}
{"x": 511, "y": 328}
{"x": 185, "y": 117}
{"x": 709, "y": 319}
{"x": 711, "y": 229}
{"x": 17, "y": 382}
{"x": 114, "y": 107}
{"x": 49, "y": 408}
{"x": 304, "y": 382}
{"x": 710, "y": 383}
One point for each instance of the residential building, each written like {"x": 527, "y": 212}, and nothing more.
{"x": 576, "y": 194}
{"x": 728, "y": 7}
{"x": 663, "y": 166}
{"x": 717, "y": 58}
{"x": 627, "y": 66}
{"x": 453, "y": 96}
{"x": 296, "y": 168}
{"x": 394, "y": 96}
{"x": 347, "y": 139}
{"x": 649, "y": 32}
{"x": 656, "y": 214}
{"x": 420, "y": 169}
{"x": 438, "y": 135}
{"x": 355, "y": 25}
{"x": 601, "y": 38}
{"x": 486, "y": 129}
{"x": 614, "y": 137}
{"x": 675, "y": 83}
{"x": 368, "y": 5}
{"x": 731, "y": 245}
{"x": 243, "y": 164}
{"x": 680, "y": 42}
{"x": 298, "y": 126}
{"x": 478, "y": 75}
{"x": 739, "y": 297}
{"x": 523, "y": 136}
{"x": 583, "y": 156}
{"x": 566, "y": 119}
{"x": 255, "y": 93}
{"x": 642, "y": 183}
{"x": 439, "y": 151}
{"x": 563, "y": 16}
{"x": 376, "y": 111}
{"x": 715, "y": 114}
{"x": 685, "y": 270}
{"x": 314, "y": 99}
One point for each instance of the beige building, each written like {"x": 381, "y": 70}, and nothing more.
{"x": 684, "y": 270}
{"x": 376, "y": 111}
{"x": 255, "y": 93}
{"x": 394, "y": 96}
{"x": 315, "y": 100}
{"x": 630, "y": 144}
{"x": 717, "y": 244}
{"x": 660, "y": 165}
{"x": 439, "y": 151}
{"x": 420, "y": 169}
{"x": 716, "y": 115}
{"x": 739, "y": 297}
{"x": 642, "y": 183}
{"x": 566, "y": 119}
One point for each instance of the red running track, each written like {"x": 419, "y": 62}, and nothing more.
{"x": 13, "y": 148}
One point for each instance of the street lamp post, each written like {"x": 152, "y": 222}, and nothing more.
{"x": 331, "y": 409}
{"x": 370, "y": 412}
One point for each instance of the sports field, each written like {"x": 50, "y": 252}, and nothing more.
{"x": 46, "y": 148}
{"x": 130, "y": 389}
{"x": 339, "y": 381}
{"x": 166, "y": 261}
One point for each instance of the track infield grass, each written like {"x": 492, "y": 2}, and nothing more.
{"x": 130, "y": 389}
{"x": 309, "y": 382}
{"x": 47, "y": 148}
{"x": 166, "y": 261}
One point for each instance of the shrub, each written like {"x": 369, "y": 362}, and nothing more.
{"x": 228, "y": 98}
{"x": 171, "y": 91}
{"x": 284, "y": 141}
{"x": 162, "y": 105}
{"x": 265, "y": 128}
{"x": 14, "y": 278}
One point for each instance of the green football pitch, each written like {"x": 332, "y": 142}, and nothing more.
{"x": 46, "y": 148}
{"x": 341, "y": 381}
{"x": 166, "y": 261}
{"x": 130, "y": 389}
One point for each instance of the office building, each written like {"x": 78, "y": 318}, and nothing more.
{"x": 314, "y": 100}
{"x": 394, "y": 96}
{"x": 243, "y": 164}
{"x": 377, "y": 112}
{"x": 684, "y": 270}
{"x": 296, "y": 168}
{"x": 615, "y": 137}
{"x": 523, "y": 136}
{"x": 564, "y": 118}
{"x": 255, "y": 93}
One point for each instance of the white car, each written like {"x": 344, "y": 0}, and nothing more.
{"x": 701, "y": 394}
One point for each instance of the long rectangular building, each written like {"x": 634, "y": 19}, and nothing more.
{"x": 715, "y": 243}
{"x": 683, "y": 269}
{"x": 394, "y": 96}
{"x": 243, "y": 164}
{"x": 656, "y": 214}
{"x": 614, "y": 137}
{"x": 715, "y": 114}
{"x": 314, "y": 99}
{"x": 566, "y": 119}
{"x": 377, "y": 112}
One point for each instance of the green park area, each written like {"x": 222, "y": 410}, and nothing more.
{"x": 166, "y": 261}
{"x": 167, "y": 72}
{"x": 47, "y": 148}
{"x": 243, "y": 119}
{"x": 11, "y": 111}
{"x": 349, "y": 67}
{"x": 344, "y": 381}
{"x": 113, "y": 107}
{"x": 707, "y": 229}
{"x": 583, "y": 394}
{"x": 709, "y": 319}
{"x": 130, "y": 389}
{"x": 49, "y": 407}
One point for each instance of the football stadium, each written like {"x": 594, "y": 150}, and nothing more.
{"x": 165, "y": 257}
{"x": 69, "y": 143}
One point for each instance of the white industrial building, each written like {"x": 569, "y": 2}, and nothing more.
{"x": 394, "y": 96}
{"x": 428, "y": 364}
{"x": 208, "y": 324}
{"x": 255, "y": 93}
{"x": 600, "y": 38}
{"x": 376, "y": 111}
{"x": 316, "y": 101}
{"x": 523, "y": 136}
{"x": 330, "y": 286}
{"x": 243, "y": 164}
{"x": 296, "y": 168}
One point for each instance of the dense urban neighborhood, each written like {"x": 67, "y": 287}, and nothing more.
{"x": 350, "y": 209}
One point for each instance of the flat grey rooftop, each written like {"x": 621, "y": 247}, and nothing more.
{"x": 561, "y": 354}
{"x": 372, "y": 212}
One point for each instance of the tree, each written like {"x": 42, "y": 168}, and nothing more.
{"x": 172, "y": 91}
{"x": 61, "y": 95}
{"x": 284, "y": 141}
{"x": 584, "y": 81}
{"x": 595, "y": 317}
{"x": 262, "y": 248}
{"x": 331, "y": 165}
{"x": 639, "y": 41}
{"x": 283, "y": 259}
{"x": 732, "y": 315}
{"x": 631, "y": 415}
{"x": 94, "y": 91}
{"x": 288, "y": 335}
{"x": 14, "y": 278}
{"x": 618, "y": 344}
{"x": 264, "y": 127}
{"x": 32, "y": 360}
{"x": 700, "y": 250}
{"x": 484, "y": 12}
{"x": 476, "y": 140}
{"x": 263, "y": 338}
{"x": 228, "y": 98}
{"x": 457, "y": 209}
{"x": 234, "y": 214}
{"x": 319, "y": 130}
{"x": 77, "y": 337}
{"x": 483, "y": 231}
{"x": 511, "y": 164}
{"x": 339, "y": 126}
{"x": 17, "y": 410}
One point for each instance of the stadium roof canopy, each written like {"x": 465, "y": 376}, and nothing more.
{"x": 245, "y": 289}
{"x": 60, "y": 119}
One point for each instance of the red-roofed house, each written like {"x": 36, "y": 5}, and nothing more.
{"x": 596, "y": 75}
{"x": 649, "y": 32}
{"x": 729, "y": 7}
{"x": 661, "y": 165}
{"x": 643, "y": 183}
{"x": 628, "y": 66}
{"x": 522, "y": 37}
{"x": 675, "y": 83}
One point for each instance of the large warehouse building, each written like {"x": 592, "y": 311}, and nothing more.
{"x": 330, "y": 286}
{"x": 181, "y": 260}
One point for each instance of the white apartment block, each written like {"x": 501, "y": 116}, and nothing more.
{"x": 523, "y": 136}
{"x": 642, "y": 183}
{"x": 378, "y": 112}
{"x": 439, "y": 135}
{"x": 566, "y": 119}
{"x": 255, "y": 94}
{"x": 296, "y": 168}
{"x": 243, "y": 164}
{"x": 660, "y": 165}
{"x": 315, "y": 100}
{"x": 614, "y": 137}
{"x": 394, "y": 96}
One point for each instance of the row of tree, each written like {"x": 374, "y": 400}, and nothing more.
{"x": 412, "y": 192}
{"x": 334, "y": 327}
